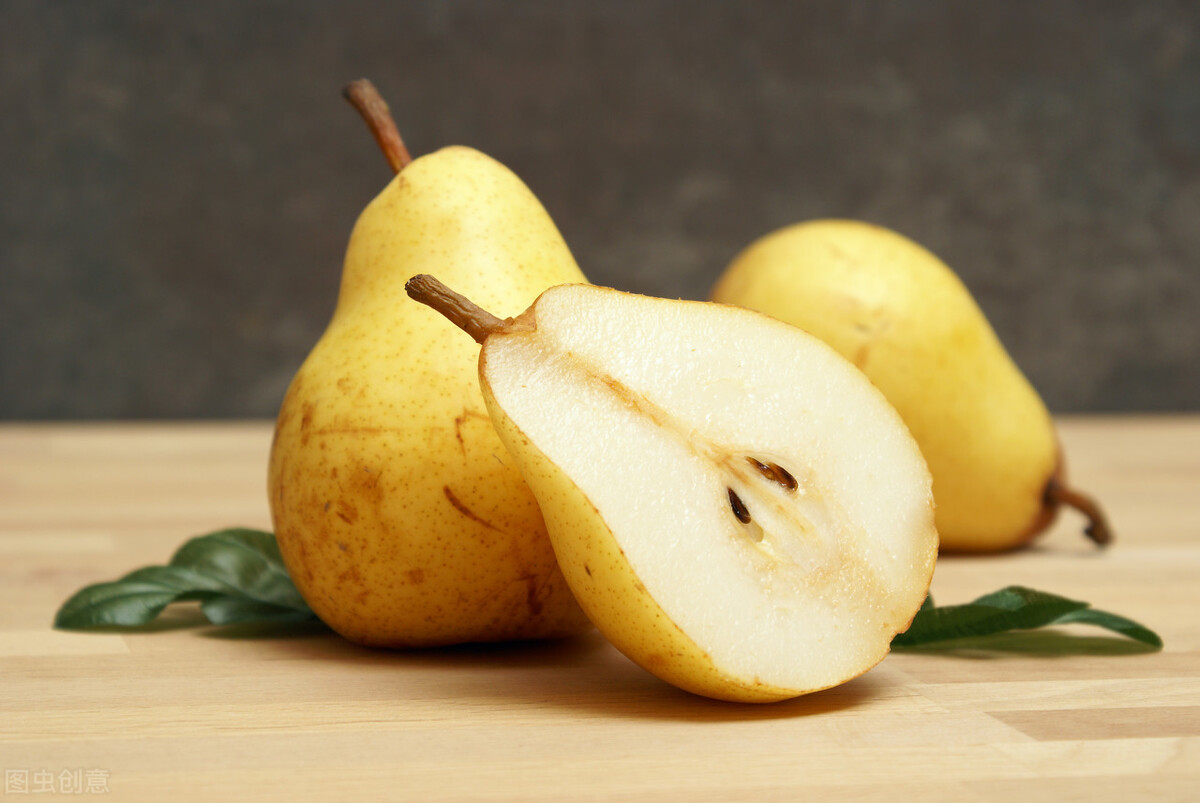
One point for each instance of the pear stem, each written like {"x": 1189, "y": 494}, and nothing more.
{"x": 363, "y": 96}
{"x": 1097, "y": 528}
{"x": 462, "y": 311}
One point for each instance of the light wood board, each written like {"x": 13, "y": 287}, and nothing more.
{"x": 189, "y": 713}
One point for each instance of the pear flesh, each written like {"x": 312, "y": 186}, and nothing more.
{"x": 733, "y": 504}
{"x": 398, "y": 513}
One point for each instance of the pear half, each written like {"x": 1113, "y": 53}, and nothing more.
{"x": 732, "y": 503}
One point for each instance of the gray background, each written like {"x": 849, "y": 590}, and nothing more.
{"x": 178, "y": 180}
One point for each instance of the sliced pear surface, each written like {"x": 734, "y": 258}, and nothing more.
{"x": 733, "y": 504}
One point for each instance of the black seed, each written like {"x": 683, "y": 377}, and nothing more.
{"x": 775, "y": 473}
{"x": 784, "y": 476}
{"x": 762, "y": 467}
{"x": 739, "y": 508}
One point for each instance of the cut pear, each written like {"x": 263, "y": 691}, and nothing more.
{"x": 732, "y": 503}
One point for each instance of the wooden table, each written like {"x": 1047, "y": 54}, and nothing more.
{"x": 187, "y": 712}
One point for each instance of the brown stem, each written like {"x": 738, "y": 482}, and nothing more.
{"x": 363, "y": 96}
{"x": 1097, "y": 528}
{"x": 462, "y": 311}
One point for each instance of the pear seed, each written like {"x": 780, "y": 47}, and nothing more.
{"x": 784, "y": 477}
{"x": 739, "y": 507}
{"x": 762, "y": 467}
{"x": 775, "y": 473}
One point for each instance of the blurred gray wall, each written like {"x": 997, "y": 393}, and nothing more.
{"x": 178, "y": 180}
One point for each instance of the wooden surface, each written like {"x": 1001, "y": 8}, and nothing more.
{"x": 192, "y": 713}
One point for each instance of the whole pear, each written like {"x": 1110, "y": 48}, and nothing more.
{"x": 399, "y": 514}
{"x": 905, "y": 319}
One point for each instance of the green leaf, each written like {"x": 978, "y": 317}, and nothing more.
{"x": 237, "y": 575}
{"x": 245, "y": 562}
{"x": 1117, "y": 624}
{"x": 236, "y": 610}
{"x": 1009, "y": 609}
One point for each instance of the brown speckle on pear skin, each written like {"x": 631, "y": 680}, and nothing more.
{"x": 466, "y": 511}
{"x": 305, "y": 565}
{"x": 655, "y": 660}
{"x": 306, "y": 418}
{"x": 372, "y": 481}
{"x": 347, "y": 512}
{"x": 461, "y": 420}
{"x": 531, "y": 597}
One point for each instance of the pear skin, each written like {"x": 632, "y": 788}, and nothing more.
{"x": 399, "y": 514}
{"x": 906, "y": 320}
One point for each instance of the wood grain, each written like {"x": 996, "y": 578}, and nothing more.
{"x": 194, "y": 713}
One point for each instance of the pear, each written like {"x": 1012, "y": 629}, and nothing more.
{"x": 399, "y": 514}
{"x": 733, "y": 504}
{"x": 903, "y": 317}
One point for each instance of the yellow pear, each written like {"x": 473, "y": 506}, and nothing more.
{"x": 904, "y": 318}
{"x": 737, "y": 508}
{"x": 400, "y": 516}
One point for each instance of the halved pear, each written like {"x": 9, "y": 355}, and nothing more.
{"x": 733, "y": 504}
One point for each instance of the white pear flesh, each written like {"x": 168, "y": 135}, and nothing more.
{"x": 637, "y": 420}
